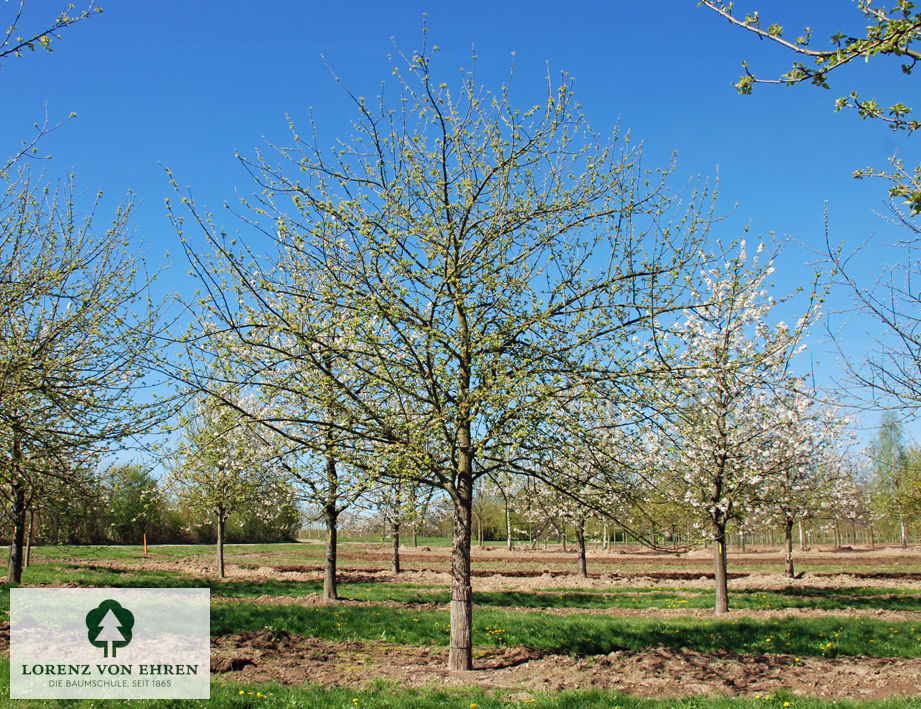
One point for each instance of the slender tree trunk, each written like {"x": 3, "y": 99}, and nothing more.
{"x": 29, "y": 536}
{"x": 788, "y": 548}
{"x": 479, "y": 530}
{"x": 904, "y": 532}
{"x": 415, "y": 535}
{"x": 508, "y": 523}
{"x": 331, "y": 516}
{"x": 604, "y": 536}
{"x": 563, "y": 537}
{"x": 872, "y": 537}
{"x": 17, "y": 515}
{"x": 742, "y": 539}
{"x": 395, "y": 554}
{"x": 719, "y": 567}
{"x": 220, "y": 543}
{"x": 802, "y": 536}
{"x": 580, "y": 538}
{"x": 460, "y": 654}
{"x": 145, "y": 543}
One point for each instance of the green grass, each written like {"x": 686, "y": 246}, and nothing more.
{"x": 578, "y": 633}
{"x": 285, "y": 553}
{"x": 754, "y": 599}
{"x": 384, "y": 695}
{"x": 494, "y": 625}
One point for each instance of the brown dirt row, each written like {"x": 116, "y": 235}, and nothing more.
{"x": 262, "y": 656}
{"x": 312, "y": 600}
{"x": 487, "y": 580}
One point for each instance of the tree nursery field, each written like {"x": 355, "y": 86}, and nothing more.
{"x": 638, "y": 631}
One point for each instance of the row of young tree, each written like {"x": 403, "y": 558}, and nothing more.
{"x": 463, "y": 291}
{"x": 876, "y": 501}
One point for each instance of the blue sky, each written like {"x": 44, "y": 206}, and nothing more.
{"x": 186, "y": 84}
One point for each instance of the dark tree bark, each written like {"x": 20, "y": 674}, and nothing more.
{"x": 580, "y": 538}
{"x": 17, "y": 543}
{"x": 395, "y": 553}
{"x": 17, "y": 513}
{"x": 29, "y": 536}
{"x": 221, "y": 519}
{"x": 508, "y": 522}
{"x": 331, "y": 517}
{"x": 788, "y": 548}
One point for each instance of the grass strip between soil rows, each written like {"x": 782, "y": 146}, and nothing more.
{"x": 745, "y": 599}
{"x": 580, "y": 634}
{"x": 384, "y": 695}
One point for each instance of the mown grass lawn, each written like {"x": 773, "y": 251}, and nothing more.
{"x": 855, "y": 598}
{"x": 383, "y": 695}
{"x": 580, "y": 633}
{"x": 501, "y": 618}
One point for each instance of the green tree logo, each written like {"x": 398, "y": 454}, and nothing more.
{"x": 109, "y": 626}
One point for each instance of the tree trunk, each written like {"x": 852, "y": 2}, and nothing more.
{"x": 29, "y": 536}
{"x": 788, "y": 548}
{"x": 479, "y": 530}
{"x": 221, "y": 519}
{"x": 719, "y": 566}
{"x": 872, "y": 537}
{"x": 145, "y": 543}
{"x": 460, "y": 654}
{"x": 563, "y": 537}
{"x": 18, "y": 518}
{"x": 580, "y": 538}
{"x": 904, "y": 532}
{"x": 415, "y": 535}
{"x": 17, "y": 515}
{"x": 395, "y": 554}
{"x": 742, "y": 539}
{"x": 604, "y": 536}
{"x": 508, "y": 524}
{"x": 802, "y": 536}
{"x": 329, "y": 568}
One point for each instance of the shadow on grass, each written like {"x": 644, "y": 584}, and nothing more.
{"x": 577, "y": 634}
{"x": 363, "y": 589}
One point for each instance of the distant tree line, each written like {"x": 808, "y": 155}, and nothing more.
{"x": 126, "y": 503}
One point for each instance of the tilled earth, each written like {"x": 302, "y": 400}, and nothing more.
{"x": 266, "y": 656}
{"x": 277, "y": 656}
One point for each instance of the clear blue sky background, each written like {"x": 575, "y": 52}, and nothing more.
{"x": 185, "y": 84}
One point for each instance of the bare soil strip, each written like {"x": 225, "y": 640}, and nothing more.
{"x": 312, "y": 600}
{"x": 264, "y": 656}
{"x": 514, "y": 580}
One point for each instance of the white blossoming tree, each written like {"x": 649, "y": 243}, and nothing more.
{"x": 803, "y": 461}
{"x": 224, "y": 462}
{"x": 714, "y": 442}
